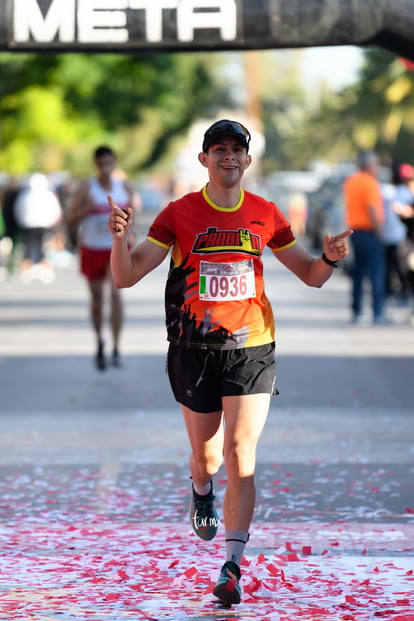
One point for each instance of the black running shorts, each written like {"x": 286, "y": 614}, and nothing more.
{"x": 199, "y": 378}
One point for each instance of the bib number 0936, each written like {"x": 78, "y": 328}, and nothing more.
{"x": 226, "y": 281}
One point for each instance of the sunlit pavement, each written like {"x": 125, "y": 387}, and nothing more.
{"x": 94, "y": 479}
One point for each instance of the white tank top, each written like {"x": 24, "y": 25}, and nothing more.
{"x": 94, "y": 231}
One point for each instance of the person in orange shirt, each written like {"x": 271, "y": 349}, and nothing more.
{"x": 365, "y": 215}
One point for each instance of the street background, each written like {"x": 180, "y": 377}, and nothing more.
{"x": 94, "y": 485}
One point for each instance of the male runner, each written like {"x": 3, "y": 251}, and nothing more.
{"x": 89, "y": 208}
{"x": 220, "y": 325}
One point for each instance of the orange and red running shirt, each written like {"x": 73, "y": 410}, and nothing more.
{"x": 215, "y": 294}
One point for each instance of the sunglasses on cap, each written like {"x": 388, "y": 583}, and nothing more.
{"x": 226, "y": 128}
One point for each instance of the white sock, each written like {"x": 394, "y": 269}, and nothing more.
{"x": 203, "y": 490}
{"x": 235, "y": 544}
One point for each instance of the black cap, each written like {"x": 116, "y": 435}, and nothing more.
{"x": 226, "y": 128}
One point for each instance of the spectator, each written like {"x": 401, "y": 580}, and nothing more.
{"x": 403, "y": 205}
{"x": 11, "y": 228}
{"x": 365, "y": 215}
{"x": 37, "y": 212}
{"x": 393, "y": 236}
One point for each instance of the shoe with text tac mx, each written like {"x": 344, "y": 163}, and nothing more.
{"x": 204, "y": 518}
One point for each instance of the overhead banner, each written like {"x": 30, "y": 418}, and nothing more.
{"x": 180, "y": 25}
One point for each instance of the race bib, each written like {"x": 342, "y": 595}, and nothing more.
{"x": 224, "y": 282}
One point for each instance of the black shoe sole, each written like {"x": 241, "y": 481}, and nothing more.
{"x": 227, "y": 596}
{"x": 100, "y": 361}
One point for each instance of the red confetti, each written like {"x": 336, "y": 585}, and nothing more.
{"x": 190, "y": 572}
{"x": 316, "y": 611}
{"x": 173, "y": 563}
{"x": 82, "y": 563}
{"x": 273, "y": 571}
{"x": 253, "y": 586}
{"x": 350, "y": 599}
{"x": 122, "y": 574}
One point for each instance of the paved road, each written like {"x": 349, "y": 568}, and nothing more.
{"x": 94, "y": 481}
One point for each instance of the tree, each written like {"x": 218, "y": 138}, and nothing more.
{"x": 55, "y": 108}
{"x": 377, "y": 112}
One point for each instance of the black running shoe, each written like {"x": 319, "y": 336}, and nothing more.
{"x": 204, "y": 518}
{"x": 100, "y": 357}
{"x": 116, "y": 360}
{"x": 228, "y": 589}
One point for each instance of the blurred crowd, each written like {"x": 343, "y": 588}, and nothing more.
{"x": 33, "y": 239}
{"x": 378, "y": 204}
{"x": 382, "y": 239}
{"x": 32, "y": 227}
{"x": 34, "y": 232}
{"x": 398, "y": 236}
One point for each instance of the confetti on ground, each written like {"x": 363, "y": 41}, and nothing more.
{"x": 104, "y": 570}
{"x": 155, "y": 491}
{"x": 113, "y": 542}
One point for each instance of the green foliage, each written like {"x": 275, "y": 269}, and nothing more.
{"x": 377, "y": 112}
{"x": 65, "y": 104}
{"x": 55, "y": 109}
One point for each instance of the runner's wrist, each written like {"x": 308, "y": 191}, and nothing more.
{"x": 328, "y": 261}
